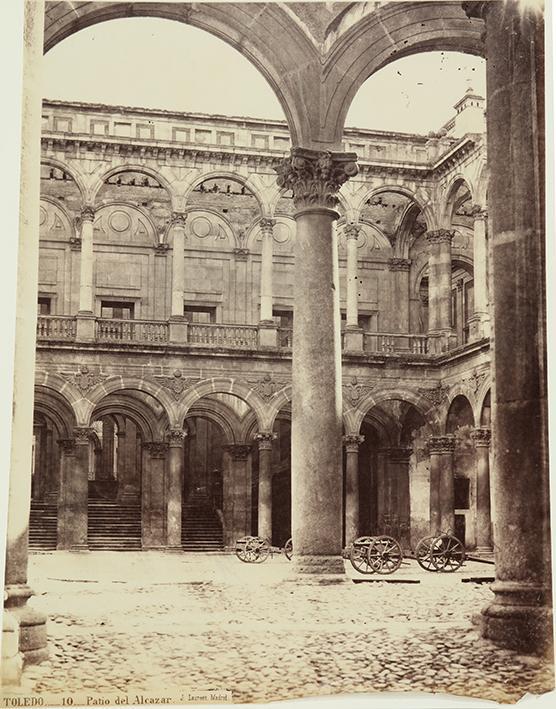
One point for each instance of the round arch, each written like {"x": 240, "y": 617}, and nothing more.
{"x": 426, "y": 209}
{"x": 218, "y": 413}
{"x": 284, "y": 397}
{"x": 74, "y": 174}
{"x": 131, "y": 167}
{"x": 451, "y": 190}
{"x": 423, "y": 406}
{"x": 57, "y": 408}
{"x": 224, "y": 175}
{"x": 125, "y": 405}
{"x": 460, "y": 403}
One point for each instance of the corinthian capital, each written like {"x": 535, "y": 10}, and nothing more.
{"x": 315, "y": 177}
{"x": 178, "y": 219}
{"x": 87, "y": 213}
{"x": 266, "y": 225}
{"x": 352, "y": 231}
{"x": 440, "y": 236}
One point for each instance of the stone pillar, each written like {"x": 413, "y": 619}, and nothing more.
{"x": 481, "y": 437}
{"x": 399, "y": 269}
{"x": 128, "y": 476}
{"x": 85, "y": 316}
{"x": 353, "y": 336}
{"x": 178, "y": 324}
{"x": 440, "y": 289}
{"x": 237, "y": 493}
{"x": 315, "y": 177}
{"x": 520, "y": 615}
{"x": 268, "y": 331}
{"x": 153, "y": 512}
{"x": 352, "y": 443}
{"x": 74, "y": 491}
{"x": 479, "y": 325}
{"x": 174, "y": 488}
{"x": 399, "y": 472}
{"x": 265, "y": 484}
{"x": 107, "y": 467}
{"x": 441, "y": 450}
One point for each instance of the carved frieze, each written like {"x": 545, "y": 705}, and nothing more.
{"x": 177, "y": 383}
{"x": 481, "y": 437}
{"x": 266, "y": 387}
{"x": 177, "y": 219}
{"x": 441, "y": 444}
{"x": 84, "y": 379}
{"x": 475, "y": 381}
{"x": 355, "y": 390}
{"x": 436, "y": 396}
{"x": 352, "y": 441}
{"x": 315, "y": 177}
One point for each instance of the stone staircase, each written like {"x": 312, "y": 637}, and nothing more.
{"x": 43, "y": 526}
{"x": 114, "y": 527}
{"x": 201, "y": 529}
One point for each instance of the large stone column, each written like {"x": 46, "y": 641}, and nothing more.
{"x": 399, "y": 278}
{"x": 128, "y": 476}
{"x": 106, "y": 471}
{"x": 352, "y": 442}
{"x": 520, "y": 615}
{"x": 441, "y": 450}
{"x": 178, "y": 324}
{"x": 153, "y": 512}
{"x": 268, "y": 331}
{"x": 236, "y": 493}
{"x": 481, "y": 438}
{"x": 399, "y": 471}
{"x": 353, "y": 336}
{"x": 74, "y": 491}
{"x": 174, "y": 488}
{"x": 440, "y": 288}
{"x": 85, "y": 316}
{"x": 314, "y": 177}
{"x": 265, "y": 484}
{"x": 480, "y": 321}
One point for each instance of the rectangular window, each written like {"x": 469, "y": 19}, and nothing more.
{"x": 43, "y": 306}
{"x": 44, "y": 122}
{"x": 99, "y": 127}
{"x": 225, "y": 138}
{"x": 281, "y": 143}
{"x": 364, "y": 322}
{"x": 63, "y": 125}
{"x": 145, "y": 132}
{"x": 123, "y": 130}
{"x": 461, "y": 493}
{"x": 283, "y": 318}
{"x": 180, "y": 135}
{"x": 259, "y": 141}
{"x": 199, "y": 314}
{"x": 116, "y": 310}
{"x": 203, "y": 136}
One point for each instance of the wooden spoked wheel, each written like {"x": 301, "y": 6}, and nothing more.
{"x": 425, "y": 552}
{"x": 384, "y": 555}
{"x": 252, "y": 550}
{"x": 288, "y": 549}
{"x": 358, "y": 555}
{"x": 449, "y": 553}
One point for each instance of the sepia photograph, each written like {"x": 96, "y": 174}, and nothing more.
{"x": 275, "y": 375}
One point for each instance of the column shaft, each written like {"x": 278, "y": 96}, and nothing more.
{"x": 73, "y": 497}
{"x": 178, "y": 265}
{"x": 86, "y": 267}
{"x": 153, "y": 512}
{"x": 434, "y": 504}
{"x": 266, "y": 269}
{"x": 480, "y": 292}
{"x": 351, "y": 443}
{"x": 174, "y": 488}
{"x": 352, "y": 314}
{"x": 484, "y": 538}
{"x": 265, "y": 486}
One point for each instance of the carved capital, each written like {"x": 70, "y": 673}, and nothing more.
{"x": 156, "y": 449}
{"x": 238, "y": 451}
{"x": 266, "y": 226}
{"x": 161, "y": 249}
{"x": 352, "y": 231}
{"x": 315, "y": 176}
{"x": 75, "y": 243}
{"x": 479, "y": 213}
{"x": 440, "y": 236}
{"x": 82, "y": 435}
{"x": 399, "y": 264}
{"x": 241, "y": 254}
{"x": 67, "y": 445}
{"x": 176, "y": 437}
{"x": 481, "y": 437}
{"x": 87, "y": 213}
{"x": 178, "y": 219}
{"x": 441, "y": 444}
{"x": 265, "y": 440}
{"x": 352, "y": 441}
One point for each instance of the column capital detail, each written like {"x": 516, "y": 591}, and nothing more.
{"x": 75, "y": 243}
{"x": 442, "y": 444}
{"x": 82, "y": 435}
{"x": 266, "y": 224}
{"x": 178, "y": 219}
{"x": 352, "y": 231}
{"x": 440, "y": 236}
{"x": 176, "y": 437}
{"x": 67, "y": 445}
{"x": 478, "y": 212}
{"x": 315, "y": 176}
{"x": 352, "y": 441}
{"x": 399, "y": 264}
{"x": 481, "y": 437}
{"x": 238, "y": 451}
{"x": 265, "y": 439}
{"x": 241, "y": 254}
{"x": 87, "y": 213}
{"x": 156, "y": 449}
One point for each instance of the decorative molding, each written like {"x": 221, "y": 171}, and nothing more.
{"x": 177, "y": 383}
{"x": 352, "y": 231}
{"x": 399, "y": 264}
{"x": 240, "y": 253}
{"x": 266, "y": 387}
{"x": 475, "y": 381}
{"x": 175, "y": 437}
{"x": 481, "y": 437}
{"x": 82, "y": 435}
{"x": 161, "y": 249}
{"x": 265, "y": 440}
{"x": 355, "y": 390}
{"x": 352, "y": 441}
{"x": 436, "y": 396}
{"x": 84, "y": 379}
{"x": 75, "y": 243}
{"x": 266, "y": 225}
{"x": 156, "y": 449}
{"x": 238, "y": 451}
{"x": 315, "y": 176}
{"x": 440, "y": 236}
{"x": 177, "y": 219}
{"x": 87, "y": 213}
{"x": 437, "y": 445}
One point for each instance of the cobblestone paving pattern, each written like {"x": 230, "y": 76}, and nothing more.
{"x": 132, "y": 622}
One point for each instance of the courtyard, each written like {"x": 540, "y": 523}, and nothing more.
{"x": 149, "y": 622}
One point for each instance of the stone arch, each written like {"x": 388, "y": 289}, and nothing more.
{"x": 131, "y": 167}
{"x": 255, "y": 32}
{"x": 451, "y": 190}
{"x": 119, "y": 383}
{"x": 223, "y": 385}
{"x": 484, "y": 406}
{"x": 459, "y": 402}
{"x": 426, "y": 208}
{"x": 64, "y": 388}
{"x": 133, "y": 207}
{"x": 382, "y": 422}
{"x": 71, "y": 225}
{"x": 228, "y": 229}
{"x": 224, "y": 175}
{"x": 481, "y": 189}
{"x": 75, "y": 175}
{"x": 54, "y": 405}
{"x": 388, "y": 33}
{"x": 126, "y": 405}
{"x": 218, "y": 413}
{"x": 484, "y": 391}
{"x": 423, "y": 406}
{"x": 284, "y": 397}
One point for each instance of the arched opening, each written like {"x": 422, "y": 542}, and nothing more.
{"x": 460, "y": 423}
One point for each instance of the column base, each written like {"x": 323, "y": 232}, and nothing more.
{"x": 31, "y": 625}
{"x": 318, "y": 565}
{"x": 174, "y": 549}
{"x": 12, "y": 659}
{"x": 519, "y": 618}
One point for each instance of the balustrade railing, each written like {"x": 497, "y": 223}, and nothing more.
{"x": 241, "y": 336}
{"x": 394, "y": 343}
{"x": 147, "y": 331}
{"x": 56, "y": 327}
{"x": 285, "y": 337}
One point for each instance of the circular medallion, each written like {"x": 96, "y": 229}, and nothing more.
{"x": 119, "y": 221}
{"x": 281, "y": 233}
{"x": 201, "y": 227}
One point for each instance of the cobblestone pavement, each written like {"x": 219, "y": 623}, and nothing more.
{"x": 131, "y": 622}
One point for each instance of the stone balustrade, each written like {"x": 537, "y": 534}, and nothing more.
{"x": 395, "y": 342}
{"x": 149, "y": 331}
{"x": 214, "y": 335}
{"x": 56, "y": 327}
